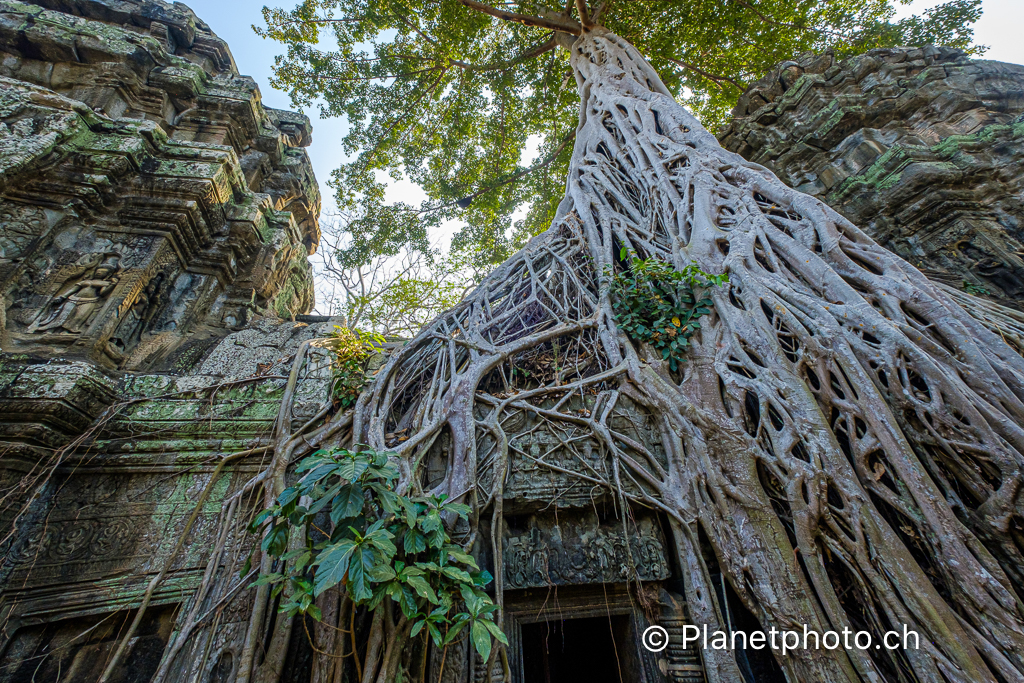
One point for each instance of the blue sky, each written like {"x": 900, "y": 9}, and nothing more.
{"x": 232, "y": 20}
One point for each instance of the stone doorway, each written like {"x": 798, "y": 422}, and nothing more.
{"x": 572, "y": 650}
{"x": 578, "y": 634}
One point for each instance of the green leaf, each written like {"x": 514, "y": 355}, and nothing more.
{"x": 266, "y": 579}
{"x": 437, "y": 538}
{"x": 410, "y": 512}
{"x": 454, "y": 630}
{"x": 380, "y": 572}
{"x": 381, "y": 539}
{"x": 461, "y": 509}
{"x": 318, "y": 473}
{"x": 275, "y": 542}
{"x": 417, "y": 627}
{"x": 409, "y": 571}
{"x": 430, "y": 521}
{"x": 414, "y": 542}
{"x": 332, "y": 565}
{"x": 361, "y": 566}
{"x": 348, "y": 503}
{"x": 324, "y": 499}
{"x": 287, "y": 496}
{"x": 246, "y": 566}
{"x": 457, "y": 574}
{"x": 481, "y": 639}
{"x": 389, "y": 500}
{"x": 435, "y": 634}
{"x": 260, "y": 518}
{"x": 407, "y": 601}
{"x": 353, "y": 467}
{"x": 494, "y": 630}
{"x": 302, "y": 560}
{"x": 422, "y": 588}
{"x": 460, "y": 556}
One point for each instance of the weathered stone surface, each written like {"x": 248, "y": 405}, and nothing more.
{"x": 155, "y": 224}
{"x": 147, "y": 198}
{"x": 103, "y": 519}
{"x": 922, "y": 148}
{"x": 576, "y": 548}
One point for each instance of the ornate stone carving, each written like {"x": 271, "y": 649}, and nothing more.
{"x": 155, "y": 220}
{"x": 79, "y": 298}
{"x": 155, "y": 150}
{"x": 919, "y": 147}
{"x": 575, "y": 548}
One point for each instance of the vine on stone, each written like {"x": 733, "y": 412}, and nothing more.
{"x": 657, "y": 304}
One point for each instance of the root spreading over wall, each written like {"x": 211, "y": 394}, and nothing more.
{"x": 848, "y": 439}
{"x": 843, "y": 434}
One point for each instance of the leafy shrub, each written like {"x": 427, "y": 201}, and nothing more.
{"x": 383, "y": 545}
{"x": 351, "y": 349}
{"x": 657, "y": 304}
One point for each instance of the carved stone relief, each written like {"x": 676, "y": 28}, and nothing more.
{"x": 80, "y": 295}
{"x": 577, "y": 548}
{"x": 74, "y": 650}
{"x": 22, "y": 224}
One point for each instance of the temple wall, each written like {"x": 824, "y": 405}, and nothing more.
{"x": 921, "y": 148}
{"x": 155, "y": 225}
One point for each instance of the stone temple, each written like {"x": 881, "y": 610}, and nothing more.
{"x": 155, "y": 225}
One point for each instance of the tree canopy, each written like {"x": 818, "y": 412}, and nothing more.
{"x": 453, "y": 92}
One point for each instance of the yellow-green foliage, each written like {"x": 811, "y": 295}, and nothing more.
{"x": 351, "y": 349}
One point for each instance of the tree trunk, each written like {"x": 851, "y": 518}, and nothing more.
{"x": 846, "y": 437}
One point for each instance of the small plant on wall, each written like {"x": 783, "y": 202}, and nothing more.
{"x": 657, "y": 304}
{"x": 351, "y": 349}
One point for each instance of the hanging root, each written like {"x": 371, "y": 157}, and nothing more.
{"x": 844, "y": 435}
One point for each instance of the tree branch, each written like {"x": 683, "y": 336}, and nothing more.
{"x": 581, "y": 8}
{"x": 535, "y": 51}
{"x": 600, "y": 11}
{"x": 775, "y": 22}
{"x": 526, "y": 171}
{"x": 554, "y": 22}
{"x": 697, "y": 70}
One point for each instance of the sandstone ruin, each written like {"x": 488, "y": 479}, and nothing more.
{"x": 155, "y": 223}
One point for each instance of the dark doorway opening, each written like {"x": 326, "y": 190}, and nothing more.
{"x": 576, "y": 650}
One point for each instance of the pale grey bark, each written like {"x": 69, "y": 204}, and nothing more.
{"x": 846, "y": 435}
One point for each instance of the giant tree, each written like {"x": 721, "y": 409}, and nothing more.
{"x": 450, "y": 93}
{"x": 846, "y": 439}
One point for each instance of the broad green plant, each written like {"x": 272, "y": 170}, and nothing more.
{"x": 343, "y": 524}
{"x": 657, "y": 304}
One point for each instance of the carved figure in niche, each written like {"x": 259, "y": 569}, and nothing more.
{"x": 77, "y": 301}
{"x": 138, "y": 318}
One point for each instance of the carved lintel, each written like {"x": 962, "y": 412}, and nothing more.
{"x": 578, "y": 549}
